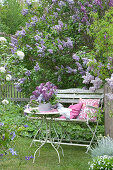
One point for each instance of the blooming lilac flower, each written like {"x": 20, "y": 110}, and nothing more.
{"x": 87, "y": 78}
{"x": 37, "y": 37}
{"x": 58, "y": 9}
{"x": 55, "y": 14}
{"x": 59, "y": 78}
{"x": 14, "y": 40}
{"x": 12, "y": 151}
{"x": 61, "y": 3}
{"x": 24, "y": 12}
{"x": 28, "y": 2}
{"x": 83, "y": 9}
{"x": 60, "y": 47}
{"x": 34, "y": 19}
{"x": 111, "y": 3}
{"x": 89, "y": 5}
{"x": 29, "y": 47}
{"x": 50, "y": 51}
{"x": 71, "y": 2}
{"x": 69, "y": 43}
{"x": 97, "y": 82}
{"x": 75, "y": 57}
{"x": 28, "y": 73}
{"x": 105, "y": 35}
{"x": 28, "y": 25}
{"x": 21, "y": 33}
{"x": 36, "y": 67}
{"x": 57, "y": 27}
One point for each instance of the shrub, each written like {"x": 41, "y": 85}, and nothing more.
{"x": 102, "y": 162}
{"x": 104, "y": 147}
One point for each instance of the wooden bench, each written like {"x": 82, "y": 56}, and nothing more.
{"x": 72, "y": 96}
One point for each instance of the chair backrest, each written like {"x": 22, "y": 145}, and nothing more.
{"x": 74, "y": 94}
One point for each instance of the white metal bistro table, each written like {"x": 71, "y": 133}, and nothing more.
{"x": 46, "y": 119}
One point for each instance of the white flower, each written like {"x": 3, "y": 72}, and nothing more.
{"x": 2, "y": 69}
{"x": 20, "y": 54}
{"x": 8, "y": 77}
{"x": 5, "y": 102}
{"x": 2, "y": 39}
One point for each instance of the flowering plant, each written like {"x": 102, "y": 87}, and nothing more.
{"x": 102, "y": 162}
{"x": 44, "y": 93}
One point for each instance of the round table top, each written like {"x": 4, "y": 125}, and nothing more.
{"x": 51, "y": 112}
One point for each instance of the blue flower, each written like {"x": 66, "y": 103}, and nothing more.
{"x": 26, "y": 126}
{"x": 28, "y": 157}
{"x": 13, "y": 133}
{"x": 12, "y": 151}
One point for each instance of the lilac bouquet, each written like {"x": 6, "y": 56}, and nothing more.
{"x": 45, "y": 93}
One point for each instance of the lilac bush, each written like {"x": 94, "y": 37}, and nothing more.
{"x": 56, "y": 32}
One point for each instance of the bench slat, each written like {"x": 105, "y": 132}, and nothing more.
{"x": 78, "y": 90}
{"x": 78, "y": 96}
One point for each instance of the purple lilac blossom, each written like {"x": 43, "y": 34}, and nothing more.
{"x": 29, "y": 47}
{"x": 96, "y": 83}
{"x": 55, "y": 14}
{"x": 37, "y": 67}
{"x": 28, "y": 25}
{"x": 58, "y": 9}
{"x": 58, "y": 28}
{"x": 87, "y": 78}
{"x": 28, "y": 2}
{"x": 69, "y": 43}
{"x": 83, "y": 9}
{"x": 24, "y": 12}
{"x": 70, "y": 70}
{"x": 28, "y": 73}
{"x": 14, "y": 40}
{"x": 20, "y": 33}
{"x": 110, "y": 81}
{"x": 50, "y": 51}
{"x": 35, "y": 19}
{"x": 12, "y": 151}
{"x": 71, "y": 2}
{"x": 75, "y": 57}
{"x": 60, "y": 47}
{"x": 90, "y": 6}
{"x": 59, "y": 78}
{"x": 111, "y": 3}
{"x": 37, "y": 37}
{"x": 61, "y": 3}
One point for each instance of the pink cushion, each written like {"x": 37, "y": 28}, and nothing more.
{"x": 85, "y": 110}
{"x": 75, "y": 111}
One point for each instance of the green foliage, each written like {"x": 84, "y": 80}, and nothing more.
{"x": 102, "y": 162}
{"x": 11, "y": 17}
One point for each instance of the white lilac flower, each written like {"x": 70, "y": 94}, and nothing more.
{"x": 8, "y": 77}
{"x": 2, "y": 39}
{"x": 20, "y": 54}
{"x": 2, "y": 69}
{"x": 5, "y": 102}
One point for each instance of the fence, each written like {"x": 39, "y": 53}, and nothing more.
{"x": 9, "y": 91}
{"x": 108, "y": 105}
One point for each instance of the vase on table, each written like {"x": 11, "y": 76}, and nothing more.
{"x": 44, "y": 107}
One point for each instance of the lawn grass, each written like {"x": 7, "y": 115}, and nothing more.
{"x": 74, "y": 158}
